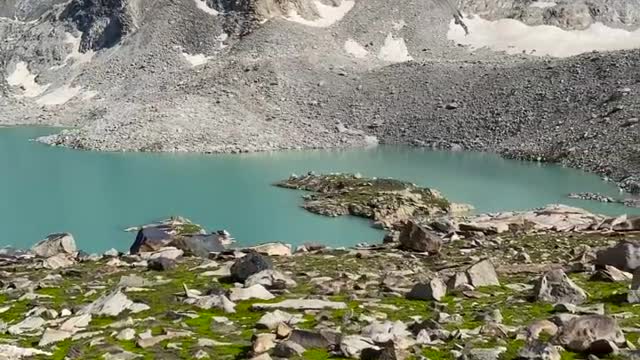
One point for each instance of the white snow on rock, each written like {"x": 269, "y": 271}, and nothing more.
{"x": 354, "y": 49}
{"x": 202, "y": 5}
{"x": 515, "y": 37}
{"x": 542, "y": 4}
{"x": 75, "y": 55}
{"x": 23, "y": 78}
{"x": 328, "y": 15}
{"x": 394, "y": 50}
{"x": 59, "y": 96}
{"x": 197, "y": 59}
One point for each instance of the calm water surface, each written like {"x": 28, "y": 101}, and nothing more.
{"x": 96, "y": 195}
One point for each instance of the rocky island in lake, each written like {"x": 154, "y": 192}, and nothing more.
{"x": 552, "y": 283}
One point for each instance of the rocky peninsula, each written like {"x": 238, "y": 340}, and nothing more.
{"x": 552, "y": 283}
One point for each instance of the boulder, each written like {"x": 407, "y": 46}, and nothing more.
{"x": 351, "y": 346}
{"x": 111, "y": 304}
{"x": 261, "y": 343}
{"x": 556, "y": 287}
{"x": 458, "y": 281}
{"x": 12, "y": 352}
{"x": 629, "y": 224}
{"x": 270, "y": 279}
{"x": 434, "y": 289}
{"x": 415, "y": 237}
{"x": 271, "y": 320}
{"x": 58, "y": 261}
{"x": 634, "y": 291}
{"x": 273, "y": 249}
{"x": 55, "y": 244}
{"x": 582, "y": 332}
{"x": 537, "y": 350}
{"x": 322, "y": 339}
{"x": 248, "y": 265}
{"x": 161, "y": 264}
{"x": 253, "y": 292}
{"x": 199, "y": 245}
{"x": 30, "y": 325}
{"x": 288, "y": 349}
{"x": 178, "y": 234}
{"x": 387, "y": 352}
{"x": 302, "y": 304}
{"x": 151, "y": 239}
{"x": 388, "y": 331}
{"x": 611, "y": 274}
{"x": 482, "y": 273}
{"x": 624, "y": 256}
{"x": 484, "y": 353}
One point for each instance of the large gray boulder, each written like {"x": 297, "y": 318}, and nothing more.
{"x": 624, "y": 256}
{"x": 55, "y": 244}
{"x": 415, "y": 237}
{"x": 586, "y": 333}
{"x": 483, "y": 273}
{"x": 434, "y": 289}
{"x": 248, "y": 265}
{"x": 556, "y": 287}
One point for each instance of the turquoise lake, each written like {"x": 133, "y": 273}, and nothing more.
{"x": 96, "y": 195}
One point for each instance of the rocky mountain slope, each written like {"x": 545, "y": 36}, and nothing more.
{"x": 252, "y": 75}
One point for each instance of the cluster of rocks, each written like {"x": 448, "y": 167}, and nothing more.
{"x": 630, "y": 202}
{"x": 388, "y": 202}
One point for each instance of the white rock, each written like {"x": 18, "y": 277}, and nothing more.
{"x": 126, "y": 334}
{"x": 109, "y": 305}
{"x": 29, "y": 325}
{"x": 11, "y": 352}
{"x": 273, "y": 249}
{"x": 55, "y": 244}
{"x": 272, "y": 319}
{"x": 252, "y": 292}
{"x": 302, "y": 304}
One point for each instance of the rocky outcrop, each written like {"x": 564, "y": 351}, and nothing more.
{"x": 103, "y": 23}
{"x": 390, "y": 203}
{"x": 181, "y": 234}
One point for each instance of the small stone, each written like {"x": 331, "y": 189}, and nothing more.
{"x": 283, "y": 330}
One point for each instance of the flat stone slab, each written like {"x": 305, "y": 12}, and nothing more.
{"x": 293, "y": 304}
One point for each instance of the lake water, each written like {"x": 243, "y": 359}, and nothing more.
{"x": 96, "y": 195}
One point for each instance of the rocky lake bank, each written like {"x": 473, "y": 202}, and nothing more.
{"x": 552, "y": 283}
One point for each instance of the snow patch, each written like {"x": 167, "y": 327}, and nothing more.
{"x": 394, "y": 50}
{"x": 59, "y": 96}
{"x": 352, "y": 47}
{"x": 23, "y": 78}
{"x": 329, "y": 15}
{"x": 202, "y": 5}
{"x": 75, "y": 55}
{"x": 197, "y": 59}
{"x": 88, "y": 95}
{"x": 514, "y": 37}
{"x": 542, "y": 4}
